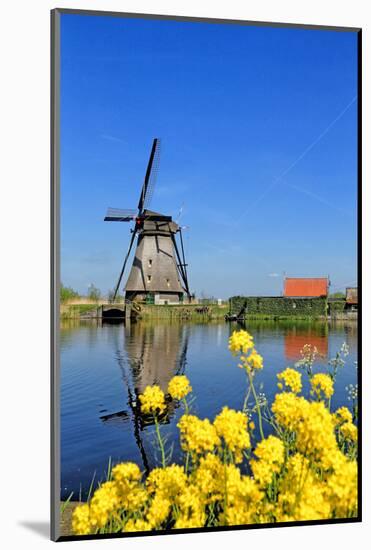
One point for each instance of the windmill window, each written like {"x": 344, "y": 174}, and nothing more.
{"x": 168, "y": 282}
{"x": 149, "y": 277}
{"x": 149, "y": 263}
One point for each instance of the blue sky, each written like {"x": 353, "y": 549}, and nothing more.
{"x": 259, "y": 145}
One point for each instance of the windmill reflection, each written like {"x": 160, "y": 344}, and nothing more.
{"x": 148, "y": 354}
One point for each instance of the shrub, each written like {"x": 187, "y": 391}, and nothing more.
{"x": 67, "y": 293}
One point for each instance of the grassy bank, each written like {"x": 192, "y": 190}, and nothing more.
{"x": 77, "y": 311}
{"x": 193, "y": 312}
{"x": 185, "y": 312}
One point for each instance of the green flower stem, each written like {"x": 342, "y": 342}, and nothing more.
{"x": 244, "y": 408}
{"x": 186, "y": 462}
{"x": 257, "y": 403}
{"x": 160, "y": 442}
{"x": 186, "y": 408}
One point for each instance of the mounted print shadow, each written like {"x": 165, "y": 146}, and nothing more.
{"x": 205, "y": 366}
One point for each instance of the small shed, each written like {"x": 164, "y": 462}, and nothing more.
{"x": 351, "y": 298}
{"x": 305, "y": 287}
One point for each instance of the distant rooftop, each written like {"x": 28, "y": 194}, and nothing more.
{"x": 300, "y": 287}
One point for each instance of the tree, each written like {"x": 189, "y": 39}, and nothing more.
{"x": 67, "y": 293}
{"x": 110, "y": 295}
{"x": 339, "y": 295}
{"x": 94, "y": 293}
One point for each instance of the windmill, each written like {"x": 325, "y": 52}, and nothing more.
{"x": 159, "y": 270}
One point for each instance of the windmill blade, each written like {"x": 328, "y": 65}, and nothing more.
{"x": 181, "y": 265}
{"x": 124, "y": 265}
{"x": 120, "y": 215}
{"x": 150, "y": 177}
{"x": 184, "y": 263}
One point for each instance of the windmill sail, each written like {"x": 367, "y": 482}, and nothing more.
{"x": 150, "y": 177}
{"x": 119, "y": 215}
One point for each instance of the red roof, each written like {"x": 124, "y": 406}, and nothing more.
{"x": 294, "y": 343}
{"x": 305, "y": 287}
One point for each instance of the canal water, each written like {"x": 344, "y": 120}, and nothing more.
{"x": 105, "y": 366}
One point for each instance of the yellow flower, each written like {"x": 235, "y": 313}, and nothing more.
{"x": 197, "y": 435}
{"x": 137, "y": 525}
{"x": 179, "y": 387}
{"x": 255, "y": 360}
{"x": 127, "y": 476}
{"x": 241, "y": 495}
{"x": 158, "y": 511}
{"x": 191, "y": 505}
{"x": 289, "y": 409}
{"x": 81, "y": 520}
{"x": 302, "y": 496}
{"x": 252, "y": 361}
{"x": 194, "y": 521}
{"x": 209, "y": 477}
{"x": 349, "y": 431}
{"x": 168, "y": 481}
{"x": 240, "y": 342}
{"x": 270, "y": 453}
{"x": 152, "y": 400}
{"x": 105, "y": 502}
{"x": 291, "y": 379}
{"x": 126, "y": 472}
{"x": 342, "y": 487}
{"x": 322, "y": 383}
{"x": 312, "y": 424}
{"x": 232, "y": 427}
{"x": 342, "y": 414}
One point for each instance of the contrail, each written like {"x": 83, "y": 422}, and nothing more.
{"x": 277, "y": 180}
{"x": 318, "y": 198}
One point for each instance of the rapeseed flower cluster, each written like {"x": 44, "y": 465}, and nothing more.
{"x": 152, "y": 400}
{"x": 290, "y": 379}
{"x": 240, "y": 342}
{"x": 231, "y": 426}
{"x": 305, "y": 470}
{"x": 342, "y": 414}
{"x": 251, "y": 362}
{"x": 196, "y": 435}
{"x": 349, "y": 431}
{"x": 271, "y": 454}
{"x": 179, "y": 387}
{"x": 322, "y": 384}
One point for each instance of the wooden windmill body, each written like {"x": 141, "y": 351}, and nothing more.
{"x": 159, "y": 271}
